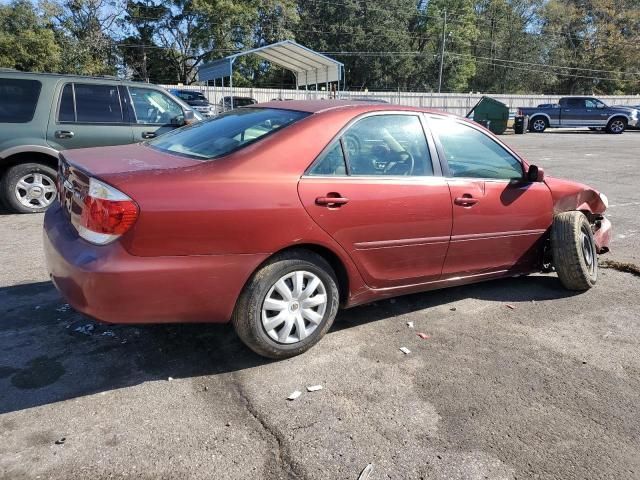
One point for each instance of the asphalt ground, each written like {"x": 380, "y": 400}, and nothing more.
{"x": 547, "y": 389}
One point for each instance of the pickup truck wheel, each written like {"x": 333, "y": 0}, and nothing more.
{"x": 28, "y": 187}
{"x": 538, "y": 124}
{"x": 616, "y": 125}
{"x": 574, "y": 251}
{"x": 288, "y": 305}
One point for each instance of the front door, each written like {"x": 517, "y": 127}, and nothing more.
{"x": 153, "y": 113}
{"x": 374, "y": 191}
{"x": 499, "y": 220}
{"x": 88, "y": 115}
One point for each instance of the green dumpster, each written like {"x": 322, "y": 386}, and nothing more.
{"x": 491, "y": 113}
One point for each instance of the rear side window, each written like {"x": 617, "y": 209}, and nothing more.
{"x": 97, "y": 103}
{"x": 226, "y": 133}
{"x": 18, "y": 100}
{"x": 67, "y": 111}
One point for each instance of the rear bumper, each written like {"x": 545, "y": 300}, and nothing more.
{"x": 109, "y": 284}
{"x": 602, "y": 236}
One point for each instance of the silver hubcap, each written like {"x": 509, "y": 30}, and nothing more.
{"x": 539, "y": 125}
{"x": 617, "y": 126}
{"x": 36, "y": 190}
{"x": 294, "y": 307}
{"x": 588, "y": 251}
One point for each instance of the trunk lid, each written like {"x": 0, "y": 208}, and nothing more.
{"x": 76, "y": 167}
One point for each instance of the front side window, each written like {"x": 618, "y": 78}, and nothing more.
{"x": 473, "y": 154}
{"x": 97, "y": 103}
{"x": 152, "y": 107}
{"x": 387, "y": 145}
{"x": 18, "y": 100}
{"x": 226, "y": 133}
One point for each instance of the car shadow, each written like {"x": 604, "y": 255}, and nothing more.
{"x": 50, "y": 353}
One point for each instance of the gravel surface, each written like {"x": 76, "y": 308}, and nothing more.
{"x": 547, "y": 389}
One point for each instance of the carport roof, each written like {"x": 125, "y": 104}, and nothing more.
{"x": 308, "y": 66}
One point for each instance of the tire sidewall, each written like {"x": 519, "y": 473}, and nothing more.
{"x": 257, "y": 293}
{"x": 592, "y": 279}
{"x": 613, "y": 120}
{"x": 10, "y": 179}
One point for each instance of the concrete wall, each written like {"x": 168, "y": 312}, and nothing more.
{"x": 458, "y": 103}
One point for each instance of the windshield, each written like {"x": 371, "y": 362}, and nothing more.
{"x": 225, "y": 133}
{"x": 191, "y": 96}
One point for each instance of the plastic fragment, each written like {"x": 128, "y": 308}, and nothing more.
{"x": 314, "y": 388}
{"x": 410, "y": 324}
{"x": 294, "y": 395}
{"x": 512, "y": 307}
{"x": 170, "y": 379}
{"x": 453, "y": 309}
{"x": 405, "y": 350}
{"x": 61, "y": 441}
{"x": 63, "y": 308}
{"x": 86, "y": 329}
{"x": 366, "y": 472}
{"x": 108, "y": 333}
{"x": 423, "y": 336}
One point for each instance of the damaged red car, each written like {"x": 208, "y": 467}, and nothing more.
{"x": 276, "y": 215}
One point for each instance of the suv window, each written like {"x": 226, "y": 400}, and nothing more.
{"x": 226, "y": 133}
{"x": 153, "y": 107}
{"x": 97, "y": 103}
{"x": 387, "y": 145}
{"x": 473, "y": 154}
{"x": 19, "y": 100}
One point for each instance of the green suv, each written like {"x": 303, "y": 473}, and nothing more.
{"x": 42, "y": 114}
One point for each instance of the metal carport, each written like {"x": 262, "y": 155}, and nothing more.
{"x": 309, "y": 67}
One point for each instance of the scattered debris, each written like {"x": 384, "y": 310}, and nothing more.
{"x": 228, "y": 424}
{"x": 86, "y": 329}
{"x": 313, "y": 388}
{"x": 295, "y": 394}
{"x": 405, "y": 350}
{"x": 625, "y": 267}
{"x": 453, "y": 309}
{"x": 366, "y": 472}
{"x": 206, "y": 389}
{"x": 410, "y": 324}
{"x": 61, "y": 441}
{"x": 393, "y": 300}
{"x": 37, "y": 307}
{"x": 63, "y": 308}
{"x": 170, "y": 379}
{"x": 512, "y": 307}
{"x": 108, "y": 333}
{"x": 423, "y": 336}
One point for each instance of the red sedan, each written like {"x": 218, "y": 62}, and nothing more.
{"x": 275, "y": 215}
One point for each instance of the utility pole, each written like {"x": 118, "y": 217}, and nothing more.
{"x": 444, "y": 39}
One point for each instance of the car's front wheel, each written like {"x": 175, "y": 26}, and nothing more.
{"x": 288, "y": 305}
{"x": 616, "y": 125}
{"x": 574, "y": 251}
{"x": 29, "y": 187}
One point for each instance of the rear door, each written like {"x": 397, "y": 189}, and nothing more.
{"x": 88, "y": 115}
{"x": 152, "y": 113}
{"x": 574, "y": 113}
{"x": 499, "y": 220}
{"x": 375, "y": 191}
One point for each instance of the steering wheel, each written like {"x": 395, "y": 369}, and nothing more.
{"x": 405, "y": 164}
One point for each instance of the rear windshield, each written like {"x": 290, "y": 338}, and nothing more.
{"x": 18, "y": 100}
{"x": 225, "y": 133}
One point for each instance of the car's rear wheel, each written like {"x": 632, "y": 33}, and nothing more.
{"x": 616, "y": 125}
{"x": 29, "y": 187}
{"x": 574, "y": 251}
{"x": 538, "y": 124}
{"x": 288, "y": 305}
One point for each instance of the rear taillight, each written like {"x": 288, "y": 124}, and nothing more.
{"x": 107, "y": 213}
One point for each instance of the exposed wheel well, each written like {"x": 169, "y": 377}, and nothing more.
{"x": 28, "y": 157}
{"x": 619, "y": 117}
{"x": 332, "y": 259}
{"x": 546, "y": 120}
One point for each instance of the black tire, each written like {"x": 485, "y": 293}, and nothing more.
{"x": 10, "y": 181}
{"x": 538, "y": 124}
{"x": 247, "y": 316}
{"x": 574, "y": 251}
{"x": 617, "y": 125}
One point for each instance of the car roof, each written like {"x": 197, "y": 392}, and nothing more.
{"x": 318, "y": 106}
{"x": 20, "y": 74}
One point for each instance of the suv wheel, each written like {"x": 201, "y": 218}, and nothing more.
{"x": 29, "y": 187}
{"x": 538, "y": 124}
{"x": 616, "y": 125}
{"x": 288, "y": 305}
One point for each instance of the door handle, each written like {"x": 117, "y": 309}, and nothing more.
{"x": 148, "y": 135}
{"x": 330, "y": 201}
{"x": 466, "y": 201}
{"x": 63, "y": 134}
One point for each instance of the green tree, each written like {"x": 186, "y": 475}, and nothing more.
{"x": 25, "y": 41}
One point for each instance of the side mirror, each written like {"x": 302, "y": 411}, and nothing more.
{"x": 189, "y": 117}
{"x": 599, "y": 105}
{"x": 535, "y": 174}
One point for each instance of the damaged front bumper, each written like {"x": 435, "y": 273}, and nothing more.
{"x": 602, "y": 234}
